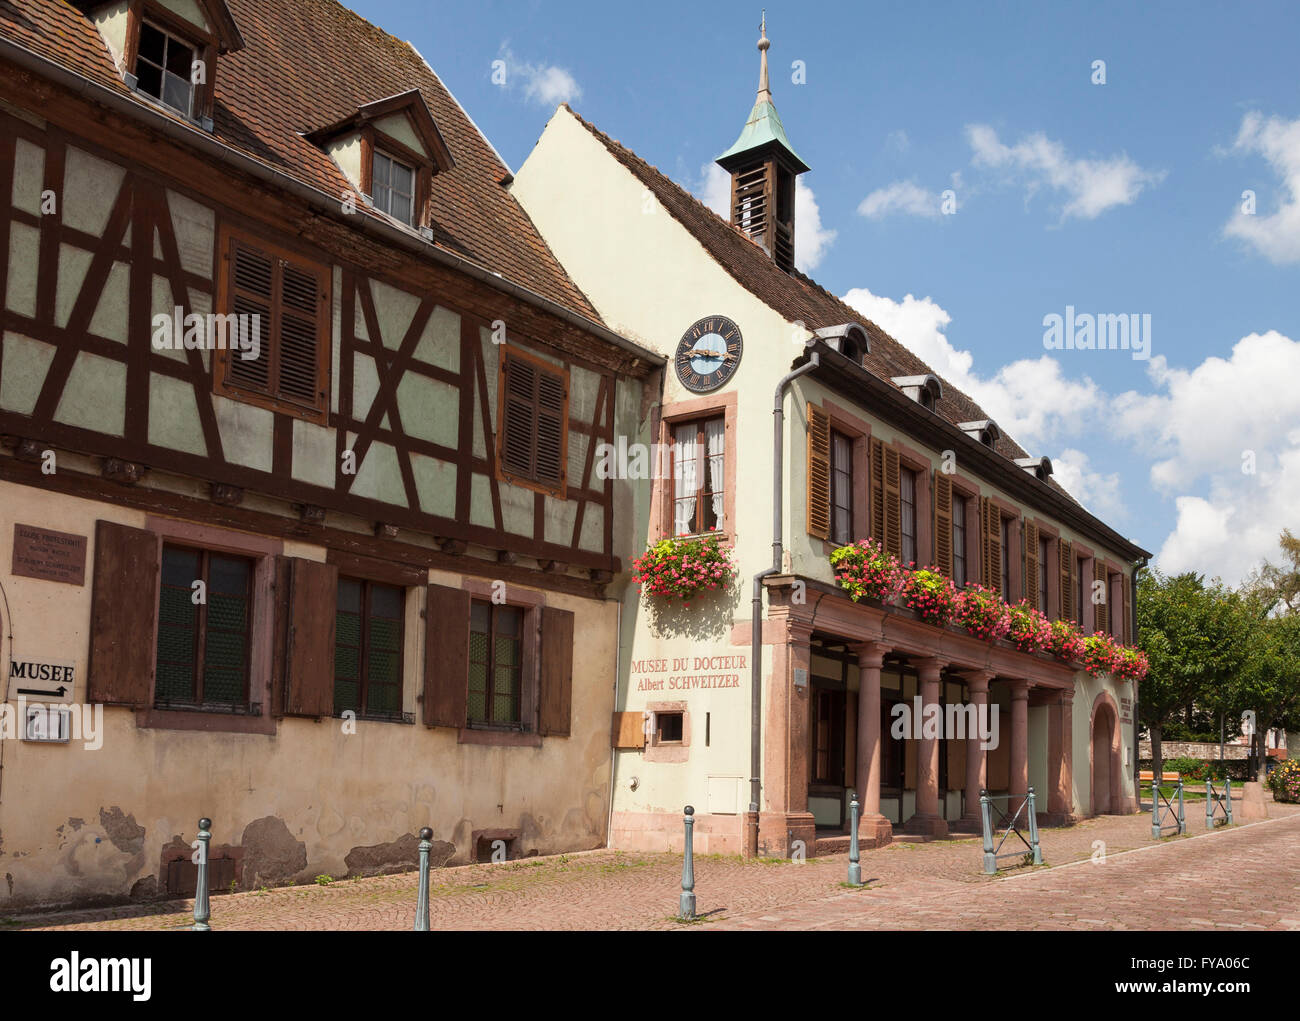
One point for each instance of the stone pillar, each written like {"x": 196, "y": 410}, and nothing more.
{"x": 927, "y": 821}
{"x": 1019, "y": 785}
{"x": 783, "y": 816}
{"x": 976, "y": 759}
{"x": 874, "y": 830}
{"x": 1060, "y": 759}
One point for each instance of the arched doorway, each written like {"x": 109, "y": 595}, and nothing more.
{"x": 1101, "y": 736}
{"x": 1104, "y": 756}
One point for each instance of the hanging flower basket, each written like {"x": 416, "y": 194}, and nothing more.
{"x": 930, "y": 594}
{"x": 1029, "y": 630}
{"x": 1130, "y": 664}
{"x": 1066, "y": 641}
{"x": 684, "y": 568}
{"x": 865, "y": 570}
{"x": 982, "y": 613}
{"x": 1100, "y": 655}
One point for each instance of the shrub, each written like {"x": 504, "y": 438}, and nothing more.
{"x": 930, "y": 594}
{"x": 1066, "y": 642}
{"x": 1284, "y": 781}
{"x": 865, "y": 569}
{"x": 684, "y": 568}
{"x": 982, "y": 613}
{"x": 1029, "y": 630}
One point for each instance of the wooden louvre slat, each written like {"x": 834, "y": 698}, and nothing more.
{"x": 1032, "y": 567}
{"x": 446, "y": 656}
{"x": 556, "y": 674}
{"x": 878, "y": 491}
{"x": 1126, "y": 621}
{"x": 1101, "y": 610}
{"x": 124, "y": 605}
{"x": 533, "y": 441}
{"x": 1067, "y": 579}
{"x": 819, "y": 473}
{"x": 943, "y": 522}
{"x": 893, "y": 477}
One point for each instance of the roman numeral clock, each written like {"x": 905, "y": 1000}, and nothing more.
{"x": 709, "y": 354}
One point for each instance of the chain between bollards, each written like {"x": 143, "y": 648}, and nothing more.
{"x": 201, "y": 910}
{"x": 855, "y": 867}
{"x": 686, "y": 906}
{"x": 422, "y": 898}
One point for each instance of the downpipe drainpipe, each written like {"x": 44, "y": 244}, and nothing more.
{"x": 1133, "y": 601}
{"x": 756, "y": 618}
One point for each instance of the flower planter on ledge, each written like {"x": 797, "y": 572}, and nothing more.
{"x": 684, "y": 568}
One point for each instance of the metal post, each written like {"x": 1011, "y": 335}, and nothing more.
{"x": 855, "y": 868}
{"x": 201, "y": 910}
{"x": 686, "y": 906}
{"x": 1227, "y": 797}
{"x": 1033, "y": 830}
{"x": 1209, "y": 805}
{"x": 1182, "y": 822}
{"x": 422, "y": 898}
{"x": 990, "y": 862}
{"x": 1155, "y": 806}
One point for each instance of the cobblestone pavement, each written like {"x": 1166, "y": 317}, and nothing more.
{"x": 1247, "y": 877}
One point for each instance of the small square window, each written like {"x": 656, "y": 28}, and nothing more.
{"x": 668, "y": 728}
{"x": 394, "y": 188}
{"x": 164, "y": 69}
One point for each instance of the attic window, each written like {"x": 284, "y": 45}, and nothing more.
{"x": 394, "y": 188}
{"x": 986, "y": 431}
{"x": 850, "y": 340}
{"x": 925, "y": 390}
{"x": 164, "y": 69}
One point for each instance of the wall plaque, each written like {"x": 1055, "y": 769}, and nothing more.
{"x": 49, "y": 555}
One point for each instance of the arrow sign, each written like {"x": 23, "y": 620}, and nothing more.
{"x": 44, "y": 694}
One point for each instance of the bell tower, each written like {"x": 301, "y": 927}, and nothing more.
{"x": 763, "y": 166}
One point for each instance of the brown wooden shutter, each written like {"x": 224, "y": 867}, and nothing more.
{"x": 446, "y": 656}
{"x": 556, "y": 677}
{"x": 1126, "y": 621}
{"x": 534, "y": 421}
{"x": 1067, "y": 579}
{"x": 943, "y": 522}
{"x": 1101, "y": 611}
{"x": 552, "y": 413}
{"x": 893, "y": 478}
{"x": 123, "y": 610}
{"x": 991, "y": 543}
{"x": 627, "y": 730}
{"x": 878, "y": 491}
{"x": 306, "y": 606}
{"x": 298, "y": 338}
{"x": 252, "y": 292}
{"x": 819, "y": 473}
{"x": 1030, "y": 533}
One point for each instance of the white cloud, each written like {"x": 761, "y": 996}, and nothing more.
{"x": 811, "y": 239}
{"x": 1277, "y": 236}
{"x": 1031, "y": 399}
{"x": 1089, "y": 186}
{"x": 899, "y": 197}
{"x": 1098, "y": 491}
{"x": 545, "y": 84}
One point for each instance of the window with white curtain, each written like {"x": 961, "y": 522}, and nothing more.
{"x": 908, "y": 500}
{"x": 699, "y": 476}
{"x": 841, "y": 488}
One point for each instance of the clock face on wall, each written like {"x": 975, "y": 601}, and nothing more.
{"x": 709, "y": 354}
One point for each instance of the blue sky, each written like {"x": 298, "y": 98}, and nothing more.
{"x": 1123, "y": 197}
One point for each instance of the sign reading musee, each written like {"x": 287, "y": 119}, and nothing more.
{"x": 37, "y": 679}
{"x": 48, "y": 555}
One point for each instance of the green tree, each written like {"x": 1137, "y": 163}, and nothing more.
{"x": 1280, "y": 583}
{"x": 1196, "y": 637}
{"x": 1269, "y": 681}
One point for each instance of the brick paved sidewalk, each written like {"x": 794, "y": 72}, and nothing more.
{"x": 1194, "y": 882}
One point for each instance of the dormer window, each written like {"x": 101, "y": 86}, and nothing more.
{"x": 164, "y": 69}
{"x": 1039, "y": 467}
{"x": 390, "y": 151}
{"x": 925, "y": 390}
{"x": 849, "y": 339}
{"x": 394, "y": 188}
{"x": 986, "y": 431}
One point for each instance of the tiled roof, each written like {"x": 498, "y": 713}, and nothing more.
{"x": 310, "y": 63}
{"x": 793, "y": 295}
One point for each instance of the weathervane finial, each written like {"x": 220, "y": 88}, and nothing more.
{"x": 764, "y": 91}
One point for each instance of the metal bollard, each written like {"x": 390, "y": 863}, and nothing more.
{"x": 990, "y": 862}
{"x": 1155, "y": 807}
{"x": 1209, "y": 805}
{"x": 1227, "y": 797}
{"x": 686, "y": 906}
{"x": 422, "y": 898}
{"x": 201, "y": 910}
{"x": 1033, "y": 830}
{"x": 1182, "y": 822}
{"x": 855, "y": 868}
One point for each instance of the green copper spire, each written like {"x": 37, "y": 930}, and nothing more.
{"x": 763, "y": 130}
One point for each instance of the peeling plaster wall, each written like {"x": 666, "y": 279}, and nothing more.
{"x": 84, "y": 826}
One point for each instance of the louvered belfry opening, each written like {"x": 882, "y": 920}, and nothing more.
{"x": 762, "y": 206}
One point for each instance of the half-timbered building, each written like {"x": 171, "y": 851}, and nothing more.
{"x": 874, "y": 444}
{"x": 298, "y": 415}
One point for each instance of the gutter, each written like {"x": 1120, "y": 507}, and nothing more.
{"x": 756, "y": 614}
{"x": 381, "y": 230}
{"x": 839, "y": 373}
